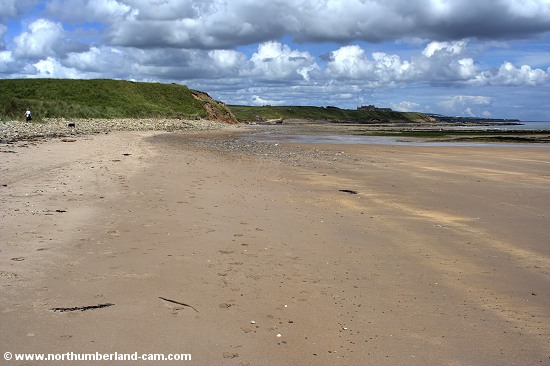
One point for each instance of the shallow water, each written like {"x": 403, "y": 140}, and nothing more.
{"x": 529, "y": 125}
{"x": 374, "y": 140}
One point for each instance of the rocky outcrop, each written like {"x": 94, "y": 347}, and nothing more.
{"x": 217, "y": 111}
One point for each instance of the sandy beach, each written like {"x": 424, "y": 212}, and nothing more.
{"x": 261, "y": 253}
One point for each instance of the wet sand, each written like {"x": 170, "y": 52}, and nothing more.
{"x": 440, "y": 258}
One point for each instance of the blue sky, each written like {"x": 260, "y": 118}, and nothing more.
{"x": 486, "y": 58}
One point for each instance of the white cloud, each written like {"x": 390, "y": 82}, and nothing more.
{"x": 227, "y": 60}
{"x": 437, "y": 62}
{"x": 465, "y": 68}
{"x": 452, "y": 48}
{"x": 50, "y": 67}
{"x": 94, "y": 62}
{"x": 45, "y": 38}
{"x": 406, "y": 107}
{"x": 259, "y": 101}
{"x": 508, "y": 74}
{"x": 466, "y": 105}
{"x": 390, "y": 68}
{"x": 275, "y": 61}
{"x": 40, "y": 41}
{"x": 350, "y": 62}
{"x": 464, "y": 100}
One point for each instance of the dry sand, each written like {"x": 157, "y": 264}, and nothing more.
{"x": 441, "y": 258}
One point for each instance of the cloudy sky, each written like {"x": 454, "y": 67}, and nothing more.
{"x": 487, "y": 58}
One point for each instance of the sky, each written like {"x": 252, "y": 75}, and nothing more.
{"x": 482, "y": 58}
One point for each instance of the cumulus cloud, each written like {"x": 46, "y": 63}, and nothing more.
{"x": 94, "y": 61}
{"x": 406, "y": 107}
{"x": 446, "y": 62}
{"x": 466, "y": 105}
{"x": 44, "y": 38}
{"x": 352, "y": 63}
{"x": 445, "y": 48}
{"x": 41, "y": 39}
{"x": 438, "y": 62}
{"x": 228, "y": 24}
{"x": 50, "y": 66}
{"x": 508, "y": 74}
{"x": 277, "y": 62}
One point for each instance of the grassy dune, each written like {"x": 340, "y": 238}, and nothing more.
{"x": 50, "y": 98}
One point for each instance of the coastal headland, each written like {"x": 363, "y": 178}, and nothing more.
{"x": 238, "y": 251}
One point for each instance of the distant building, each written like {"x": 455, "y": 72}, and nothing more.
{"x": 372, "y": 108}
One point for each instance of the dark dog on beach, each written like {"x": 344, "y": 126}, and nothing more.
{"x": 71, "y": 125}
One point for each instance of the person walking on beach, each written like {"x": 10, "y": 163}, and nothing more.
{"x": 28, "y": 115}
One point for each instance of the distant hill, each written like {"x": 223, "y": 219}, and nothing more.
{"x": 102, "y": 98}
{"x": 368, "y": 114}
{"x": 442, "y": 118}
{"x": 105, "y": 98}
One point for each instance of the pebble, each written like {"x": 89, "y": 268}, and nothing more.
{"x": 288, "y": 154}
{"x": 58, "y": 127}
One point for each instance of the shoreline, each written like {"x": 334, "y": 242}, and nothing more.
{"x": 13, "y": 131}
{"x": 439, "y": 257}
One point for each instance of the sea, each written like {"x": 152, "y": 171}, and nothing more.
{"x": 524, "y": 125}
{"x": 343, "y": 139}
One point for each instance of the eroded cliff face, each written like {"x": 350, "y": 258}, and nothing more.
{"x": 217, "y": 111}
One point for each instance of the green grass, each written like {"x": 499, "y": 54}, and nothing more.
{"x": 249, "y": 113}
{"x": 103, "y": 98}
{"x": 99, "y": 98}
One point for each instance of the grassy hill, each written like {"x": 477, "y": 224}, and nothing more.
{"x": 101, "y": 98}
{"x": 248, "y": 113}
